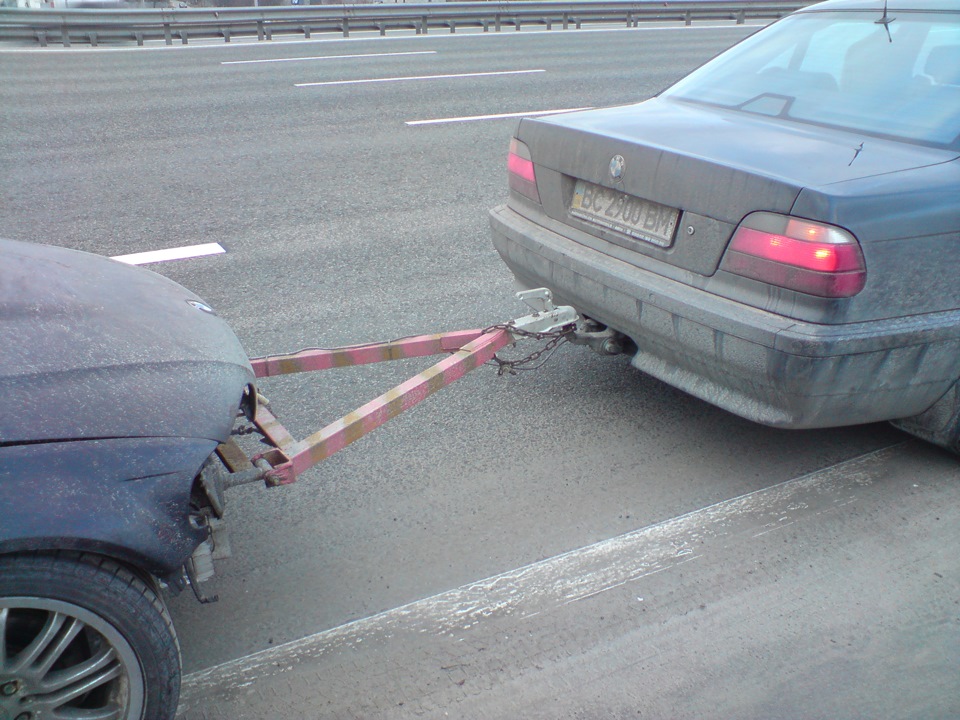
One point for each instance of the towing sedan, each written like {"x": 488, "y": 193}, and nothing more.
{"x": 777, "y": 233}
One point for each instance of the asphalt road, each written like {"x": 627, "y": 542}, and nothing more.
{"x": 580, "y": 541}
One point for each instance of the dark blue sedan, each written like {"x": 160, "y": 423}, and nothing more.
{"x": 778, "y": 233}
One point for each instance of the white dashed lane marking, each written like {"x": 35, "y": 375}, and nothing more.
{"x": 418, "y": 77}
{"x": 472, "y": 118}
{"x": 179, "y": 253}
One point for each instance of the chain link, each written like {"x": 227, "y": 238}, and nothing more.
{"x": 556, "y": 338}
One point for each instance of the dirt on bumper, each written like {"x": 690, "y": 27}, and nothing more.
{"x": 767, "y": 368}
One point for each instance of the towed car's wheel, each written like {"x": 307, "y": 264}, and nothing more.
{"x": 83, "y": 637}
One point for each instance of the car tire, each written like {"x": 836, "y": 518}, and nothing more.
{"x": 81, "y": 635}
{"x": 939, "y": 424}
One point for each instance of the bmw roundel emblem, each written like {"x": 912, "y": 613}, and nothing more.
{"x": 617, "y": 164}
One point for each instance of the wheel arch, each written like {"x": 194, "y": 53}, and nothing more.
{"x": 128, "y": 499}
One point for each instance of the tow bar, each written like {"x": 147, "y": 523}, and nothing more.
{"x": 467, "y": 350}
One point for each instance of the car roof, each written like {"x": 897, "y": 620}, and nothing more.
{"x": 892, "y": 6}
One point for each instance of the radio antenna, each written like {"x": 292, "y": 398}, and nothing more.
{"x": 885, "y": 21}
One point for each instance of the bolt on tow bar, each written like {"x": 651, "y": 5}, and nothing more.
{"x": 467, "y": 349}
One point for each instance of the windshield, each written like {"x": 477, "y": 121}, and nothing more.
{"x": 851, "y": 70}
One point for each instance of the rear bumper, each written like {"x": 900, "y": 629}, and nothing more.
{"x": 764, "y": 367}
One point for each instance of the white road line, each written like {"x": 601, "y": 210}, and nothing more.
{"x": 417, "y": 77}
{"x": 328, "y": 57}
{"x": 180, "y": 253}
{"x": 573, "y": 576}
{"x": 471, "y": 118}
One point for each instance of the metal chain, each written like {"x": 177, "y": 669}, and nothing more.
{"x": 513, "y": 366}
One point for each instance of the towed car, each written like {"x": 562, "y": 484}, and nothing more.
{"x": 777, "y": 232}
{"x": 118, "y": 385}
{"x": 125, "y": 397}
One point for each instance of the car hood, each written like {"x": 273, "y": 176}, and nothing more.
{"x": 93, "y": 348}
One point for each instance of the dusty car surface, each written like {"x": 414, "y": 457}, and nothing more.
{"x": 118, "y": 385}
{"x": 777, "y": 233}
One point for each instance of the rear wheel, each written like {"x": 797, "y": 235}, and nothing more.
{"x": 83, "y": 637}
{"x": 939, "y": 424}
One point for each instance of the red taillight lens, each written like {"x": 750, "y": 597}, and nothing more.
{"x": 801, "y": 255}
{"x": 523, "y": 179}
{"x": 521, "y": 167}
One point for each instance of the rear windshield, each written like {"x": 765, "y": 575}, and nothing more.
{"x": 896, "y": 75}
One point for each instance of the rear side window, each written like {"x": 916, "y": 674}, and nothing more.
{"x": 847, "y": 70}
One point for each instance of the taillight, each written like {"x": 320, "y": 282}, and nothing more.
{"x": 520, "y": 170}
{"x": 801, "y": 255}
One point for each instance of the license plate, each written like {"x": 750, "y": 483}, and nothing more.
{"x": 633, "y": 216}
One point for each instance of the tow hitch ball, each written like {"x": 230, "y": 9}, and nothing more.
{"x": 600, "y": 338}
{"x": 589, "y": 332}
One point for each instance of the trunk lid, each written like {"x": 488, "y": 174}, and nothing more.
{"x": 713, "y": 166}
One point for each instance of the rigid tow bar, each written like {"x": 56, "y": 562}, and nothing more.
{"x": 467, "y": 350}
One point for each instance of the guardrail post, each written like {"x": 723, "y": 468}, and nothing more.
{"x": 566, "y": 21}
{"x": 496, "y": 22}
{"x": 42, "y": 38}
{"x": 688, "y": 20}
{"x": 741, "y": 17}
{"x": 382, "y": 27}
{"x": 486, "y": 25}
{"x": 346, "y": 27}
{"x": 306, "y": 32}
{"x": 183, "y": 36}
{"x": 453, "y": 27}
{"x": 139, "y": 38}
{"x": 629, "y": 19}
{"x": 259, "y": 29}
{"x": 167, "y": 35}
{"x": 424, "y": 24}
{"x": 268, "y": 32}
{"x": 92, "y": 37}
{"x": 549, "y": 23}
{"x": 65, "y": 37}
{"x": 226, "y": 34}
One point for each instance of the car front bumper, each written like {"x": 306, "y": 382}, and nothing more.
{"x": 765, "y": 367}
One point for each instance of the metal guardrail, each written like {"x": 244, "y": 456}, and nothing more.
{"x": 44, "y": 26}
